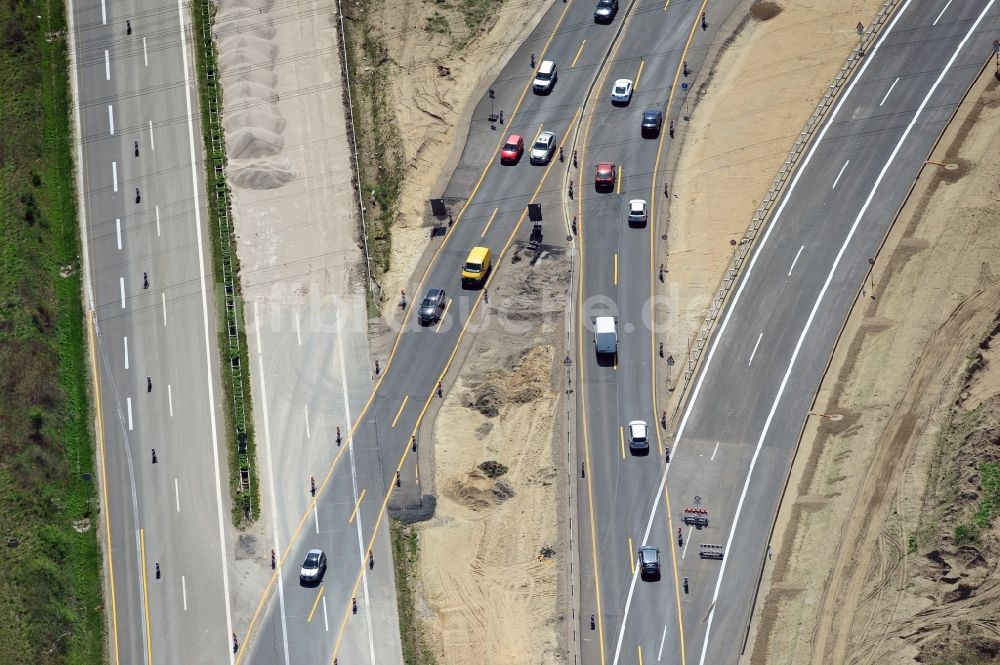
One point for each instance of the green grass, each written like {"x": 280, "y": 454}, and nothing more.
{"x": 50, "y": 592}
{"x": 406, "y": 556}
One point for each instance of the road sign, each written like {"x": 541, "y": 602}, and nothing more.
{"x": 684, "y": 86}
{"x": 567, "y": 361}
{"x": 670, "y": 361}
{"x": 697, "y": 500}
{"x": 860, "y": 27}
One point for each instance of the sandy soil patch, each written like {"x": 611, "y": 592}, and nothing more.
{"x": 895, "y": 469}
{"x": 743, "y": 123}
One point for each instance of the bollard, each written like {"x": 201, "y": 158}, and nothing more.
{"x": 574, "y": 158}
{"x": 583, "y": 470}
{"x": 157, "y": 570}
{"x": 704, "y": 22}
{"x": 671, "y": 129}
{"x": 338, "y": 436}
{"x": 274, "y": 560}
{"x": 685, "y": 585}
{"x": 574, "y": 225}
{"x": 440, "y": 390}
{"x": 354, "y": 602}
{"x": 663, "y": 419}
{"x": 312, "y": 485}
{"x": 149, "y": 385}
{"x": 661, "y": 349}
{"x": 686, "y": 70}
{"x": 371, "y": 560}
{"x": 398, "y": 481}
{"x": 236, "y": 644}
{"x": 668, "y": 454}
{"x": 593, "y": 624}
{"x": 377, "y": 368}
{"x": 413, "y": 442}
{"x": 154, "y": 455}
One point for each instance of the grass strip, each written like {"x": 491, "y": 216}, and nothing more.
{"x": 406, "y": 556}
{"x": 51, "y": 608}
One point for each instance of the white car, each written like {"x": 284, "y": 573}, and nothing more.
{"x": 542, "y": 148}
{"x": 638, "y": 437}
{"x": 637, "y": 212}
{"x": 621, "y": 92}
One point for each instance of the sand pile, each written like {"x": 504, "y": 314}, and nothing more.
{"x": 252, "y": 121}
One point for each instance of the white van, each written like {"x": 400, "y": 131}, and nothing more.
{"x": 605, "y": 335}
{"x": 545, "y": 77}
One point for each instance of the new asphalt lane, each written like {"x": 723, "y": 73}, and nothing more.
{"x": 144, "y": 214}
{"x": 736, "y": 439}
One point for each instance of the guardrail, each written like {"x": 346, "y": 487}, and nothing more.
{"x": 761, "y": 215}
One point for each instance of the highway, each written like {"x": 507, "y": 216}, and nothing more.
{"x": 143, "y": 213}
{"x": 734, "y": 444}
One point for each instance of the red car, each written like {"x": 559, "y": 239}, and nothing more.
{"x": 604, "y": 177}
{"x": 512, "y": 150}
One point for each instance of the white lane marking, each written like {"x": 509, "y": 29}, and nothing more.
{"x": 152, "y": 143}
{"x": 145, "y": 56}
{"x": 128, "y": 405}
{"x": 114, "y": 175}
{"x": 326, "y": 624}
{"x": 210, "y": 363}
{"x": 687, "y": 541}
{"x": 107, "y": 64}
{"x": 826, "y": 284}
{"x": 121, "y": 286}
{"x": 104, "y": 14}
{"x": 177, "y": 495}
{"x": 946, "y": 5}
{"x": 837, "y": 179}
{"x": 663, "y": 638}
{"x": 156, "y": 209}
{"x": 305, "y": 407}
{"x": 163, "y": 301}
{"x": 754, "y": 352}
{"x": 111, "y": 119}
{"x": 712, "y": 459}
{"x": 354, "y": 479}
{"x": 270, "y": 477}
{"x": 118, "y": 231}
{"x": 795, "y": 260}
{"x": 126, "y": 352}
{"x": 298, "y": 331}
{"x": 184, "y": 592}
{"x": 316, "y": 516}
{"x": 889, "y": 91}
{"x": 170, "y": 400}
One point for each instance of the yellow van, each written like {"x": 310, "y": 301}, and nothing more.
{"x": 477, "y": 266}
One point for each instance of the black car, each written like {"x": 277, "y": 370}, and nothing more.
{"x": 605, "y": 11}
{"x": 652, "y": 121}
{"x": 431, "y": 306}
{"x": 649, "y": 562}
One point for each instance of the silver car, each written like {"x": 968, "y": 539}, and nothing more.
{"x": 542, "y": 149}
{"x": 313, "y": 567}
{"x": 638, "y": 437}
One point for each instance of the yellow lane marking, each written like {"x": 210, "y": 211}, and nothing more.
{"x": 145, "y": 595}
{"x": 433, "y": 393}
{"x": 639, "y": 649}
{"x": 579, "y": 51}
{"x": 104, "y": 477}
{"x": 665, "y": 5}
{"x": 621, "y": 440}
{"x": 618, "y": 180}
{"x": 616, "y": 268}
{"x": 540, "y": 126}
{"x": 652, "y": 291}
{"x": 400, "y": 412}
{"x": 356, "y": 506}
{"x": 443, "y": 314}
{"x": 631, "y": 558}
{"x": 315, "y": 603}
{"x": 635, "y": 86}
{"x": 495, "y": 210}
{"x": 371, "y": 398}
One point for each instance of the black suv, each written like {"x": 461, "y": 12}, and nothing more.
{"x": 649, "y": 562}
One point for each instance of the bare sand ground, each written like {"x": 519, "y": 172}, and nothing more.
{"x": 743, "y": 123}
{"x": 866, "y": 567}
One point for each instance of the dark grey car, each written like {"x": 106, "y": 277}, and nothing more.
{"x": 649, "y": 562}
{"x": 652, "y": 121}
{"x": 431, "y": 306}
{"x": 605, "y": 11}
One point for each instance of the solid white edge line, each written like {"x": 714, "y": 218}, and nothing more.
{"x": 118, "y": 231}
{"x": 121, "y": 287}
{"x": 754, "y": 352}
{"x": 111, "y": 119}
{"x": 316, "y": 517}
{"x": 795, "y": 260}
{"x": 170, "y": 400}
{"x": 177, "y": 495}
{"x": 270, "y": 477}
{"x": 163, "y": 301}
{"x": 125, "y": 339}
{"x": 209, "y": 373}
{"x": 826, "y": 285}
{"x": 145, "y": 55}
{"x": 157, "y": 211}
{"x": 128, "y": 406}
{"x": 184, "y": 592}
{"x": 114, "y": 175}
{"x": 107, "y": 64}
{"x": 298, "y": 331}
{"x": 946, "y": 6}
{"x": 888, "y": 92}
{"x": 152, "y": 142}
{"x": 837, "y": 179}
{"x": 305, "y": 407}
{"x": 354, "y": 477}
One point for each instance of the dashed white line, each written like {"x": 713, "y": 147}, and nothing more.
{"x": 104, "y": 14}
{"x": 152, "y": 143}
{"x": 126, "y": 351}
{"x": 163, "y": 301}
{"x": 754, "y": 352}
{"x": 712, "y": 459}
{"x": 795, "y": 260}
{"x": 121, "y": 286}
{"x": 114, "y": 175}
{"x": 663, "y": 638}
{"x": 184, "y": 592}
{"x": 889, "y": 91}
{"x": 946, "y": 5}
{"x": 316, "y": 516}
{"x": 837, "y": 179}
{"x": 145, "y": 56}
{"x": 156, "y": 209}
{"x": 177, "y": 496}
{"x": 305, "y": 407}
{"x": 111, "y": 119}
{"x": 298, "y": 330}
{"x": 107, "y": 64}
{"x": 326, "y": 624}
{"x": 128, "y": 406}
{"x": 170, "y": 400}
{"x": 118, "y": 231}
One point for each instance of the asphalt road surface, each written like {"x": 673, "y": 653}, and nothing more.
{"x": 735, "y": 442}
{"x": 144, "y": 214}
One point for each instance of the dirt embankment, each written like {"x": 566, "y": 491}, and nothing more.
{"x": 884, "y": 547}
